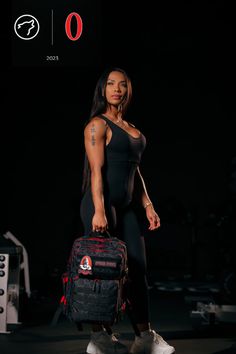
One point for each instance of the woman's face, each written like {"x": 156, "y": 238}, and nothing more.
{"x": 116, "y": 88}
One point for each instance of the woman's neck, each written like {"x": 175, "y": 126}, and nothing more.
{"x": 114, "y": 116}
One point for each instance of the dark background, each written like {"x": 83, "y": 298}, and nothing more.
{"x": 180, "y": 57}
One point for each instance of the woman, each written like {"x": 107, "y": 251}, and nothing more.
{"x": 112, "y": 188}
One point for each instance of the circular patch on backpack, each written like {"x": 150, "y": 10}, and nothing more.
{"x": 85, "y": 266}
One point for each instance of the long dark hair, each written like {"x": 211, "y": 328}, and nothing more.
{"x": 99, "y": 106}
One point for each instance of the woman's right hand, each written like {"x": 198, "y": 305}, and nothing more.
{"x": 99, "y": 222}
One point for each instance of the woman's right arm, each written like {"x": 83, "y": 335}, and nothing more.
{"x": 95, "y": 140}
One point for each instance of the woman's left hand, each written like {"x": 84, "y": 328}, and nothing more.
{"x": 152, "y": 217}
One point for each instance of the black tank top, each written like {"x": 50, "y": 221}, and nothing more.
{"x": 122, "y": 156}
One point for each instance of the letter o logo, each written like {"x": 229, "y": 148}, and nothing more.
{"x": 79, "y": 26}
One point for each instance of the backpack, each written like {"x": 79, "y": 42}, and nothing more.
{"x": 94, "y": 283}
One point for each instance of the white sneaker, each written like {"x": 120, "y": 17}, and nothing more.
{"x": 103, "y": 343}
{"x": 151, "y": 343}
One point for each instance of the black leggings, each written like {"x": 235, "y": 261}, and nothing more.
{"x": 123, "y": 223}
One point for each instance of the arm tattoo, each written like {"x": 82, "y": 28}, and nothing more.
{"x": 93, "y": 130}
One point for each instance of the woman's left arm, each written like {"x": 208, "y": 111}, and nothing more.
{"x": 152, "y": 216}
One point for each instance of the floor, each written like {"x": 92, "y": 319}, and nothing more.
{"x": 46, "y": 330}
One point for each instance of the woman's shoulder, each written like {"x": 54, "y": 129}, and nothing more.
{"x": 95, "y": 122}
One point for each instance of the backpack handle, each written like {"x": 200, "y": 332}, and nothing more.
{"x": 105, "y": 234}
